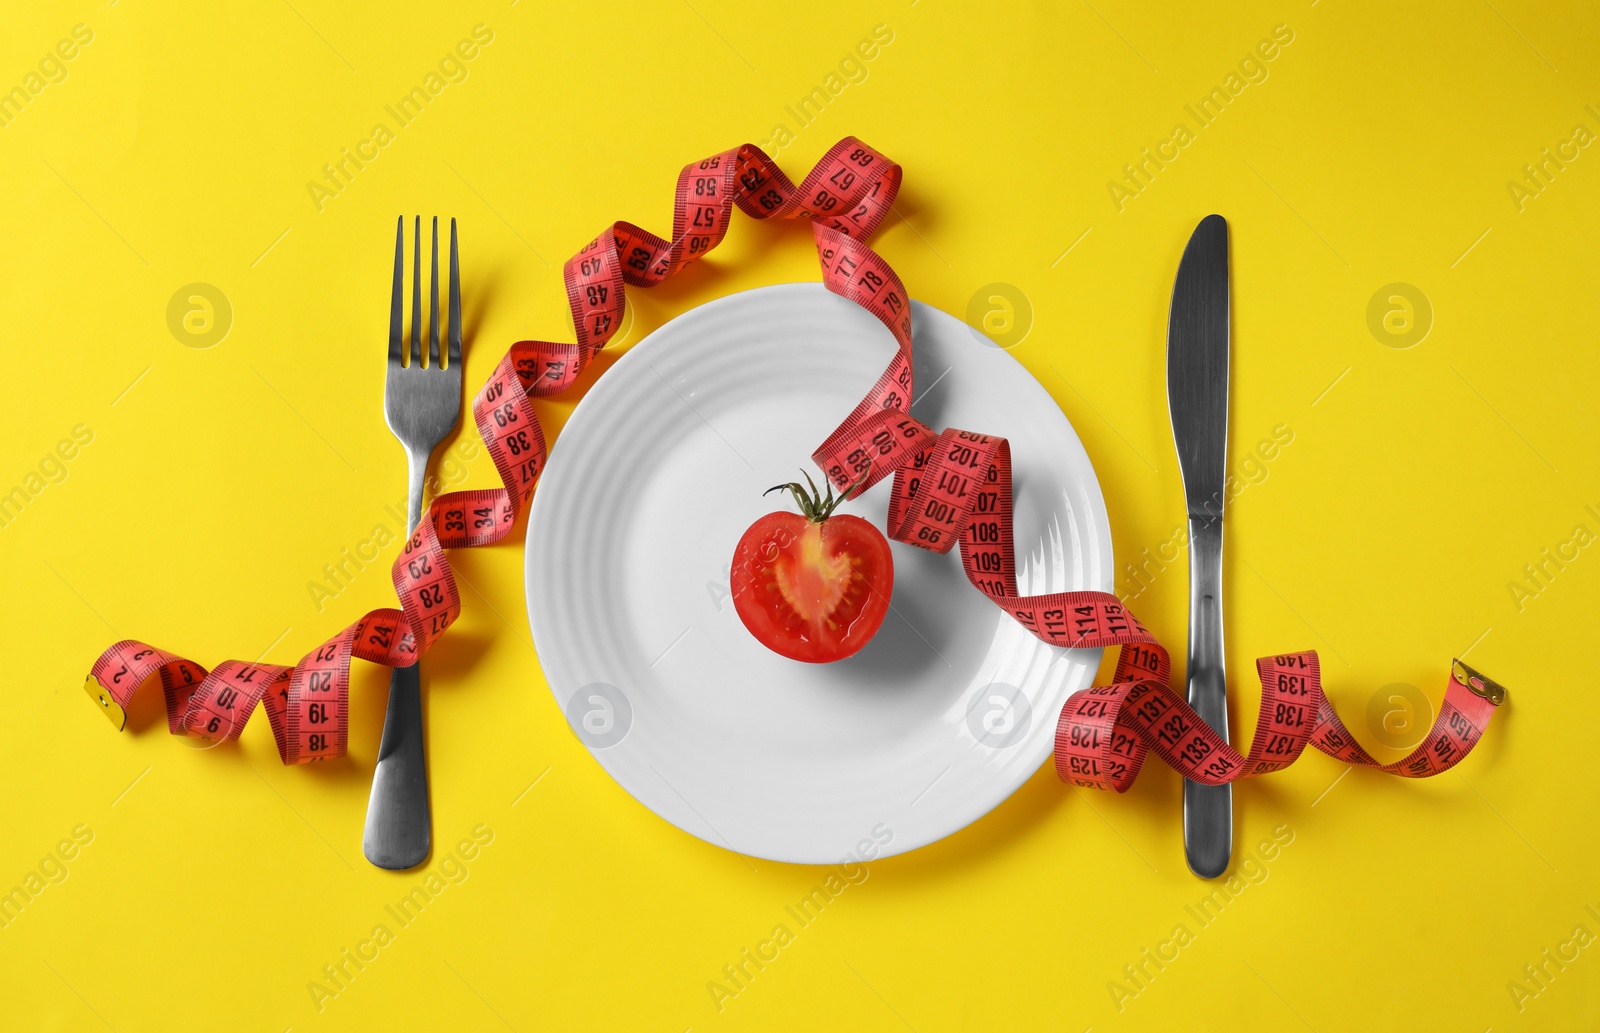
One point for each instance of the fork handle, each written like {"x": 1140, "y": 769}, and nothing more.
{"x": 399, "y": 826}
{"x": 399, "y": 829}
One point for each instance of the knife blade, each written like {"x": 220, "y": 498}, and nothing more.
{"x": 1197, "y": 396}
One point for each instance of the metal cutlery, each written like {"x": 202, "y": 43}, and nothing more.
{"x": 1197, "y": 395}
{"x": 421, "y": 403}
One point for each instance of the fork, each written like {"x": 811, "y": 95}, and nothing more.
{"x": 421, "y": 403}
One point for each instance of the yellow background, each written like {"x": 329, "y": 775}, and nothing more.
{"x": 219, "y": 481}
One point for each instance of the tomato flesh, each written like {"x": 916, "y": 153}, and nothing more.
{"x": 810, "y": 591}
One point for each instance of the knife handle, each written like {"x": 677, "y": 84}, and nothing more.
{"x": 1207, "y": 810}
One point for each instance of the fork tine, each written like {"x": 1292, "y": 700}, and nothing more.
{"x": 455, "y": 298}
{"x": 416, "y": 296}
{"x": 396, "y": 313}
{"x": 433, "y": 302}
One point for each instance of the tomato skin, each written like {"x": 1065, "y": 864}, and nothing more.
{"x": 815, "y": 592}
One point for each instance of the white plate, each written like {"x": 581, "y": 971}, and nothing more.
{"x": 656, "y": 475}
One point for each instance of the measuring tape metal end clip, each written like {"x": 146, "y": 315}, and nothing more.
{"x": 1477, "y": 682}
{"x": 110, "y": 707}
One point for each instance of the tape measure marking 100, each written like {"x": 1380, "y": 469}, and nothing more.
{"x": 949, "y": 487}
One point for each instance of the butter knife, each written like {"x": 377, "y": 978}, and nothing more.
{"x": 1197, "y": 395}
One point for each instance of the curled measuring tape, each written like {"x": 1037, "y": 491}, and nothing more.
{"x": 950, "y": 486}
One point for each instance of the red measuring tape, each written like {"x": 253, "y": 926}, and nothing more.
{"x": 952, "y": 486}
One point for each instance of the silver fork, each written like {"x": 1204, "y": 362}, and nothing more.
{"x": 422, "y": 403}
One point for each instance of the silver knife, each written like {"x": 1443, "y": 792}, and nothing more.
{"x": 1197, "y": 395}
